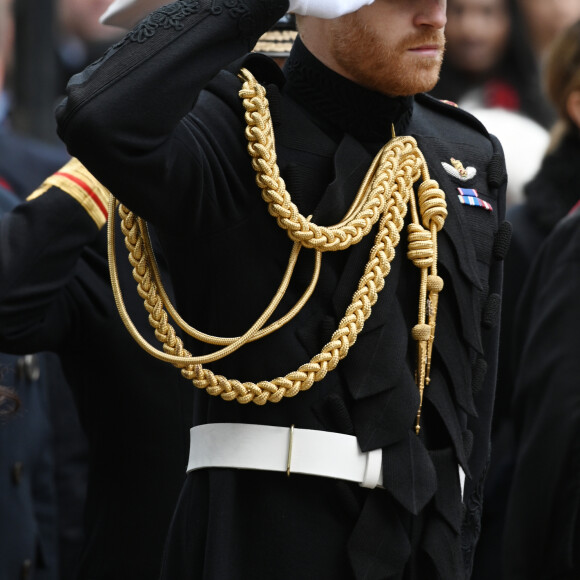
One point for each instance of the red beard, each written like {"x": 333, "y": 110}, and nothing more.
{"x": 390, "y": 69}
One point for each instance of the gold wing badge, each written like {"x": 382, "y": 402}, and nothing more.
{"x": 456, "y": 169}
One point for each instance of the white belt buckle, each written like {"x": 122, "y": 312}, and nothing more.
{"x": 290, "y": 445}
{"x": 283, "y": 449}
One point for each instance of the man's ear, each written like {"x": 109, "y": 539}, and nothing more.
{"x": 573, "y": 107}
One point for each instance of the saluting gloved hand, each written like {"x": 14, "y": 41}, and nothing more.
{"x": 326, "y": 8}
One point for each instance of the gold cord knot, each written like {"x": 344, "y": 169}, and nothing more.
{"x": 421, "y": 332}
{"x": 434, "y": 283}
{"x": 420, "y": 249}
{"x": 433, "y": 204}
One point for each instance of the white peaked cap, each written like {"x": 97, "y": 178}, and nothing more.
{"x": 126, "y": 13}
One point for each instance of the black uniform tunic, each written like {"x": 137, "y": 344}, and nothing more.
{"x": 186, "y": 170}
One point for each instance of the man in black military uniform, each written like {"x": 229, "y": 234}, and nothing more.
{"x": 365, "y": 454}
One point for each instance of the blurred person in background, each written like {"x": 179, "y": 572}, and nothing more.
{"x": 489, "y": 62}
{"x": 542, "y": 530}
{"x": 6, "y": 49}
{"x": 53, "y": 260}
{"x": 548, "y": 198}
{"x": 81, "y": 38}
{"x": 55, "y": 295}
{"x": 28, "y": 505}
{"x": 24, "y": 164}
{"x": 524, "y": 143}
{"x": 8, "y": 401}
{"x": 553, "y": 191}
{"x": 490, "y": 70}
{"x": 545, "y": 19}
{"x": 110, "y": 536}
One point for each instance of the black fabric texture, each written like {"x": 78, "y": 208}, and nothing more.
{"x": 502, "y": 241}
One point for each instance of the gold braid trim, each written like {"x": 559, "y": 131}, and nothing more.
{"x": 277, "y": 41}
{"x": 76, "y": 180}
{"x": 366, "y": 208}
{"x": 386, "y": 193}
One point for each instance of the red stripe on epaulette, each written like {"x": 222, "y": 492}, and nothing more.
{"x": 91, "y": 193}
{"x": 450, "y": 103}
{"x": 574, "y": 207}
{"x": 5, "y": 184}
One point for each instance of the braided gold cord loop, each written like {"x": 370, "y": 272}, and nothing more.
{"x": 260, "y": 136}
{"x": 316, "y": 369}
{"x": 384, "y": 196}
{"x": 420, "y": 250}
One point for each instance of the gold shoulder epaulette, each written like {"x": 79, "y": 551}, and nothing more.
{"x": 76, "y": 180}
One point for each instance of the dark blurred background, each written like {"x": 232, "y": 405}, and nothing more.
{"x": 53, "y": 40}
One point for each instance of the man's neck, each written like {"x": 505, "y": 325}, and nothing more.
{"x": 340, "y": 105}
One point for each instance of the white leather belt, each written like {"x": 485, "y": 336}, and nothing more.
{"x": 290, "y": 450}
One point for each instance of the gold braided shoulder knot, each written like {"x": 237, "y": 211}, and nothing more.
{"x": 384, "y": 197}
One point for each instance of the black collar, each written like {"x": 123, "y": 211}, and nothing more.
{"x": 339, "y": 105}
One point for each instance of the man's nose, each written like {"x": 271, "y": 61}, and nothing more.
{"x": 431, "y": 13}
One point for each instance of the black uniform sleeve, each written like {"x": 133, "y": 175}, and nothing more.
{"x": 41, "y": 242}
{"x": 124, "y": 116}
